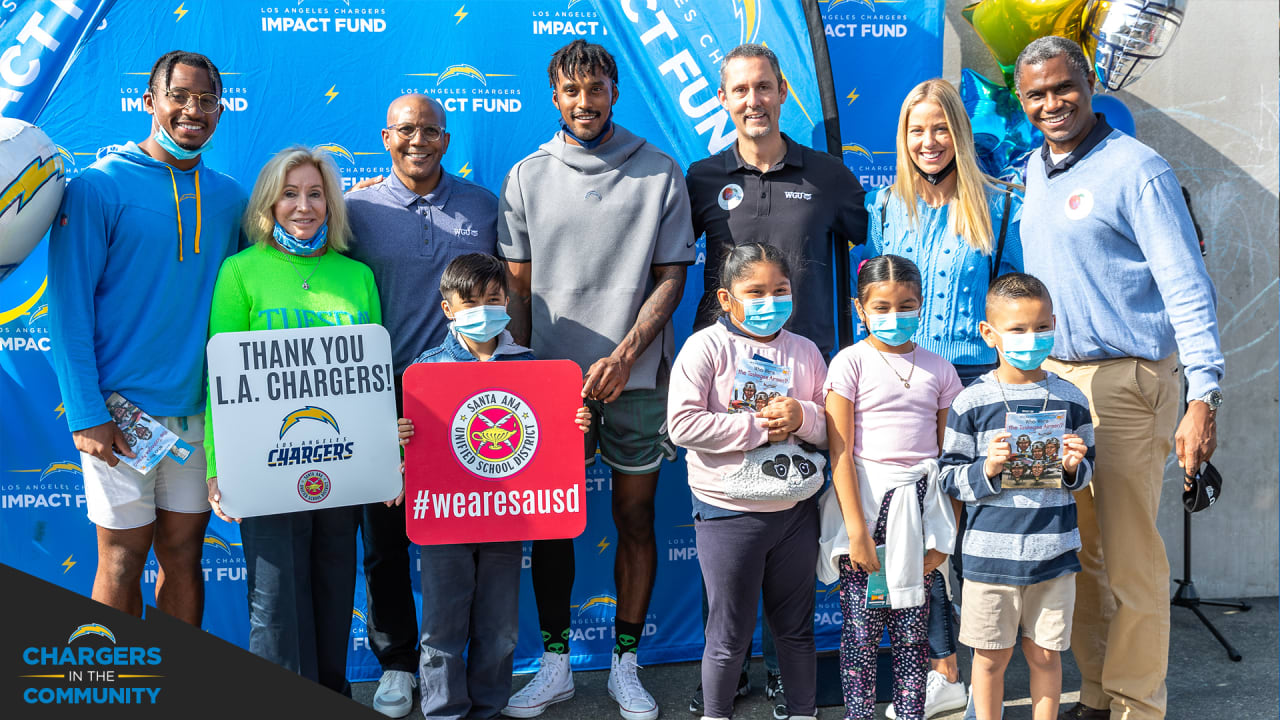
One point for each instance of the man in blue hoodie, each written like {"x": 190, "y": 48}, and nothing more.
{"x": 146, "y": 218}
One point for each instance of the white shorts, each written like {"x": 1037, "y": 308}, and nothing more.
{"x": 121, "y": 498}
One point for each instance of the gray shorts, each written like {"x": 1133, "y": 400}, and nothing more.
{"x": 121, "y": 498}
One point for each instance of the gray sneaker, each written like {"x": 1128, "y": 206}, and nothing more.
{"x": 394, "y": 697}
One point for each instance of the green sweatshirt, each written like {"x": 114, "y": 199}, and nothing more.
{"x": 261, "y": 289}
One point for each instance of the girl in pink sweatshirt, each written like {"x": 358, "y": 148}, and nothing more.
{"x": 753, "y": 474}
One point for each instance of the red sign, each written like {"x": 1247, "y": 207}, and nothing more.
{"x": 496, "y": 454}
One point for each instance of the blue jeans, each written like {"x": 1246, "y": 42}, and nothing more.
{"x": 302, "y": 578}
{"x": 942, "y": 632}
{"x": 471, "y": 603}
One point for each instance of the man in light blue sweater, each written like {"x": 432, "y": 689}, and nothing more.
{"x": 1105, "y": 226}
{"x": 132, "y": 262}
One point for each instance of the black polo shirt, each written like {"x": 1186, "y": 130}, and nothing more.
{"x": 805, "y": 205}
{"x": 1100, "y": 130}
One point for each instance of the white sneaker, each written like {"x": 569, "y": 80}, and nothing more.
{"x": 394, "y": 697}
{"x": 552, "y": 684}
{"x": 939, "y": 696}
{"x": 634, "y": 702}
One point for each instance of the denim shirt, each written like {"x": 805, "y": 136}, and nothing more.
{"x": 453, "y": 350}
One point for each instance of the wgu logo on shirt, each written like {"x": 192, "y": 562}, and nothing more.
{"x": 797, "y": 195}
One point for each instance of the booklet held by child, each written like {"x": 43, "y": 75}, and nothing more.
{"x": 1036, "y": 440}
{"x": 149, "y": 440}
{"x": 756, "y": 383}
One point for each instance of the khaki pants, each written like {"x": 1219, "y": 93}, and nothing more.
{"x": 1120, "y": 637}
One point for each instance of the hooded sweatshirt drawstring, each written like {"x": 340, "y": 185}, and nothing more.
{"x": 177, "y": 204}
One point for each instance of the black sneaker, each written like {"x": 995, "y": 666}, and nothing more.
{"x": 773, "y": 688}
{"x": 744, "y": 687}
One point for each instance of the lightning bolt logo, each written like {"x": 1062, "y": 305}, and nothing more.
{"x": 180, "y": 12}
{"x": 857, "y": 150}
{"x": 465, "y": 172}
{"x": 355, "y": 613}
{"x": 60, "y": 467}
{"x": 310, "y": 412}
{"x": 331, "y": 94}
{"x": 597, "y": 600}
{"x": 868, "y": 4}
{"x": 215, "y": 541}
{"x": 67, "y": 158}
{"x": 29, "y": 181}
{"x": 92, "y": 629}
{"x": 60, "y": 410}
{"x": 461, "y": 71}
{"x": 603, "y": 544}
{"x": 336, "y": 149}
{"x": 68, "y": 564}
{"x": 853, "y": 95}
{"x": 748, "y": 15}
{"x": 20, "y": 310}
{"x": 461, "y": 14}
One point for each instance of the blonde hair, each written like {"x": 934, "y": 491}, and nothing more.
{"x": 259, "y": 216}
{"x": 971, "y": 216}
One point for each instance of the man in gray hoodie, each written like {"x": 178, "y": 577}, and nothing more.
{"x": 595, "y": 229}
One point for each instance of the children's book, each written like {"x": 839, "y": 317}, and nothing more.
{"x": 1037, "y": 450}
{"x": 878, "y": 584}
{"x": 149, "y": 440}
{"x": 757, "y": 382}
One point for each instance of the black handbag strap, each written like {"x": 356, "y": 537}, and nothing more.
{"x": 1004, "y": 229}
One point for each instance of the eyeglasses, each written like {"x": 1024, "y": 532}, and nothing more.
{"x": 409, "y": 131}
{"x": 207, "y": 102}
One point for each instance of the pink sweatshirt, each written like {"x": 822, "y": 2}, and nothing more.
{"x": 698, "y": 400}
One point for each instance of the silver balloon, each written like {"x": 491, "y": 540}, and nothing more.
{"x": 1125, "y": 36}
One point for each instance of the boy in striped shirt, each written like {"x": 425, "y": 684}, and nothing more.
{"x": 1019, "y": 545}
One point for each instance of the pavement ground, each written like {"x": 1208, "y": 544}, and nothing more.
{"x": 1203, "y": 682}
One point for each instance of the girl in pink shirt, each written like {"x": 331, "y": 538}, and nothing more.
{"x": 753, "y": 473}
{"x": 886, "y": 412}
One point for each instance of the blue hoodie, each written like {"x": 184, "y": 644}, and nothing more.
{"x": 133, "y": 258}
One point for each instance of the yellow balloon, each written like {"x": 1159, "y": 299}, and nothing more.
{"x": 1007, "y": 26}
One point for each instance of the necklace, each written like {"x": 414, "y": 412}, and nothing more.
{"x": 306, "y": 281}
{"x": 906, "y": 381}
{"x": 1044, "y": 406}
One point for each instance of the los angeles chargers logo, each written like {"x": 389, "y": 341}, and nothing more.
{"x": 494, "y": 434}
{"x": 310, "y": 412}
{"x": 57, "y": 467}
{"x": 868, "y": 4}
{"x": 314, "y": 486}
{"x": 858, "y": 150}
{"x": 464, "y": 70}
{"x": 338, "y": 151}
{"x": 602, "y": 603}
{"x": 92, "y": 629}
{"x": 748, "y": 14}
{"x": 29, "y": 181}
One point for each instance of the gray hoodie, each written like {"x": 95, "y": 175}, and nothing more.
{"x": 593, "y": 223}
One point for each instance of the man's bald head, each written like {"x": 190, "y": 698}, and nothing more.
{"x": 419, "y": 103}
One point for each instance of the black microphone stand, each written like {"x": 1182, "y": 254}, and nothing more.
{"x": 1186, "y": 595}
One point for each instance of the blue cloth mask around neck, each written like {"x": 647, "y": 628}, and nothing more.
{"x": 301, "y": 247}
{"x": 1026, "y": 351}
{"x": 589, "y": 144}
{"x": 893, "y": 328}
{"x": 765, "y": 316}
{"x": 481, "y": 323}
{"x": 172, "y": 147}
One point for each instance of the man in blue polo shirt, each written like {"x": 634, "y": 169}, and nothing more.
{"x": 407, "y": 229}
{"x": 1106, "y": 228}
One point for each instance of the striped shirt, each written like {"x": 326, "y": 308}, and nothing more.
{"x": 1015, "y": 536}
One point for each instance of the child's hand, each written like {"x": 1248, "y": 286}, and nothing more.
{"x": 583, "y": 418}
{"x": 862, "y": 552}
{"x": 998, "y": 453}
{"x": 405, "y": 426}
{"x": 1073, "y": 450}
{"x": 782, "y": 416}
{"x": 933, "y": 560}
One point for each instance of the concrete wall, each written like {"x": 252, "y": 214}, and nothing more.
{"x": 1210, "y": 108}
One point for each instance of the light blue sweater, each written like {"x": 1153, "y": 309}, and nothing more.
{"x": 955, "y": 275}
{"x": 125, "y": 313}
{"x": 1112, "y": 239}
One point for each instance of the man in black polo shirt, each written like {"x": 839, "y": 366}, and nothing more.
{"x": 769, "y": 188}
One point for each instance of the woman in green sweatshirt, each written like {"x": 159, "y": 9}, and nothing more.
{"x": 301, "y": 565}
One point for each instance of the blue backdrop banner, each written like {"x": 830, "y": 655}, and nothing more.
{"x": 322, "y": 72}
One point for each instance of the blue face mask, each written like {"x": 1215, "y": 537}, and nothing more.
{"x": 765, "y": 316}
{"x": 301, "y": 247}
{"x": 177, "y": 151}
{"x": 893, "y": 328}
{"x": 481, "y": 323}
{"x": 1026, "y": 351}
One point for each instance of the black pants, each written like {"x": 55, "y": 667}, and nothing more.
{"x": 392, "y": 618}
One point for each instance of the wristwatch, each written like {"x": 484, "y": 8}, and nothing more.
{"x": 1213, "y": 399}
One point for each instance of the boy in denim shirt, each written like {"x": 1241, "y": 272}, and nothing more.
{"x": 470, "y": 591}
